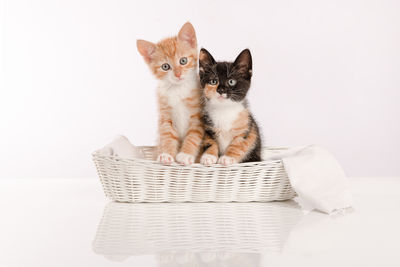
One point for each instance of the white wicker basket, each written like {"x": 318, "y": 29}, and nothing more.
{"x": 146, "y": 180}
{"x": 175, "y": 228}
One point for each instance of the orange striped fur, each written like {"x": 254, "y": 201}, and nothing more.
{"x": 180, "y": 126}
{"x": 195, "y": 132}
{"x": 243, "y": 138}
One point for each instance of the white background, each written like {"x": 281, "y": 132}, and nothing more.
{"x": 325, "y": 72}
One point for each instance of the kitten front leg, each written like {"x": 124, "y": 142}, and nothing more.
{"x": 210, "y": 154}
{"x": 168, "y": 143}
{"x": 239, "y": 147}
{"x": 191, "y": 144}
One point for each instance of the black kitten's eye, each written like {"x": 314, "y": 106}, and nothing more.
{"x": 165, "y": 66}
{"x": 213, "y": 81}
{"x": 232, "y": 82}
{"x": 183, "y": 61}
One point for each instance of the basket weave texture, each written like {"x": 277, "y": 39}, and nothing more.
{"x": 146, "y": 180}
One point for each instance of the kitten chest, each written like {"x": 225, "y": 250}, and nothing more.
{"x": 180, "y": 113}
{"x": 223, "y": 119}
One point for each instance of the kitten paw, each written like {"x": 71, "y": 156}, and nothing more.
{"x": 208, "y": 159}
{"x": 226, "y": 160}
{"x": 185, "y": 159}
{"x": 165, "y": 159}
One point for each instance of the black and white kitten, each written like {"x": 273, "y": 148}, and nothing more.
{"x": 231, "y": 133}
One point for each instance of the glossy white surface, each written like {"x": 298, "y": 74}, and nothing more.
{"x": 67, "y": 222}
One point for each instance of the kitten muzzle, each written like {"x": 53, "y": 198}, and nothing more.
{"x": 222, "y": 96}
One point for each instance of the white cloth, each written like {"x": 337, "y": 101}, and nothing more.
{"x": 317, "y": 178}
{"x": 122, "y": 148}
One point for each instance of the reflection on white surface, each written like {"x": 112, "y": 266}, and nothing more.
{"x": 205, "y": 259}
{"x": 53, "y": 222}
{"x": 205, "y": 234}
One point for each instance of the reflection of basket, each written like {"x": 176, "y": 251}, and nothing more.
{"x": 145, "y": 180}
{"x": 137, "y": 229}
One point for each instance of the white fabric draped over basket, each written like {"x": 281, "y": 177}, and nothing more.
{"x": 145, "y": 180}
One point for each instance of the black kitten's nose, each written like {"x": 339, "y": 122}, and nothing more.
{"x": 221, "y": 90}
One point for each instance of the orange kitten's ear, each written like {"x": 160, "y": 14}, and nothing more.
{"x": 146, "y": 49}
{"x": 188, "y": 35}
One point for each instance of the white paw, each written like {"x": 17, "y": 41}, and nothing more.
{"x": 208, "y": 159}
{"x": 185, "y": 159}
{"x": 225, "y": 160}
{"x": 165, "y": 158}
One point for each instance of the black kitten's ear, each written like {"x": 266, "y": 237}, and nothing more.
{"x": 205, "y": 59}
{"x": 243, "y": 63}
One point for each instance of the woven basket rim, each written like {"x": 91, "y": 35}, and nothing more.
{"x": 97, "y": 154}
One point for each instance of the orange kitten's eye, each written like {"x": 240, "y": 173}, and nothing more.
{"x": 213, "y": 81}
{"x": 165, "y": 66}
{"x": 183, "y": 61}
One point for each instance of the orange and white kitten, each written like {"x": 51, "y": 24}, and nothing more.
{"x": 174, "y": 63}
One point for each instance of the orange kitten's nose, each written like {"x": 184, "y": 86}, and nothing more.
{"x": 177, "y": 73}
